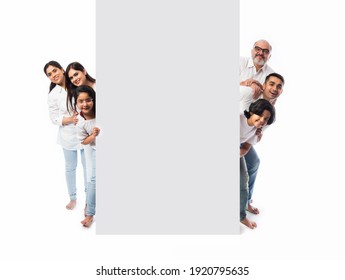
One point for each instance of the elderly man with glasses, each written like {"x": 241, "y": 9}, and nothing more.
{"x": 254, "y": 69}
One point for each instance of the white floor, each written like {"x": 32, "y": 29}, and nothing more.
{"x": 36, "y": 226}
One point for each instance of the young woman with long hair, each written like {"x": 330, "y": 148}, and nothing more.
{"x": 76, "y": 75}
{"x": 66, "y": 121}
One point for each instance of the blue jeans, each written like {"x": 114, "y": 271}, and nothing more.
{"x": 252, "y": 163}
{"x": 71, "y": 160}
{"x": 243, "y": 188}
{"x": 91, "y": 188}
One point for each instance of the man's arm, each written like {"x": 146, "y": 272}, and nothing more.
{"x": 254, "y": 85}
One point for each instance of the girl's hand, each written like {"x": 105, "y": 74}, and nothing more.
{"x": 96, "y": 131}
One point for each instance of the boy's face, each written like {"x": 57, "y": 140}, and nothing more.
{"x": 273, "y": 88}
{"x": 260, "y": 121}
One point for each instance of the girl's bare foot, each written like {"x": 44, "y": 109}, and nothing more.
{"x": 71, "y": 204}
{"x": 248, "y": 223}
{"x": 87, "y": 222}
{"x": 252, "y": 209}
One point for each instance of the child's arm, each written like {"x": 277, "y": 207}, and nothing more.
{"x": 89, "y": 139}
{"x": 258, "y": 134}
{"x": 245, "y": 147}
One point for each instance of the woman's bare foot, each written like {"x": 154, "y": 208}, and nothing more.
{"x": 248, "y": 223}
{"x": 71, "y": 205}
{"x": 87, "y": 222}
{"x": 252, "y": 209}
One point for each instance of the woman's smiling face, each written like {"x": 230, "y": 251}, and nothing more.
{"x": 55, "y": 75}
{"x": 77, "y": 77}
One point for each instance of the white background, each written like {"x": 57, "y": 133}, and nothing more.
{"x": 301, "y": 154}
{"x": 300, "y": 191}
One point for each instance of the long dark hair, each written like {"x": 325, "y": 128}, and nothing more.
{"x": 55, "y": 64}
{"x": 70, "y": 86}
{"x": 90, "y": 91}
{"x": 258, "y": 107}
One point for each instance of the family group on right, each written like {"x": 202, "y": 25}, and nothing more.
{"x": 260, "y": 88}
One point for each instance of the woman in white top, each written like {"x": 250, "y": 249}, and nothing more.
{"x": 259, "y": 114}
{"x": 85, "y": 100}
{"x": 67, "y": 134}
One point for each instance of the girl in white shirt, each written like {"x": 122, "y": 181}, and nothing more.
{"x": 259, "y": 114}
{"x": 85, "y": 100}
{"x": 67, "y": 135}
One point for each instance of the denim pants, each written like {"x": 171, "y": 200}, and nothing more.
{"x": 252, "y": 163}
{"x": 71, "y": 161}
{"x": 243, "y": 188}
{"x": 91, "y": 187}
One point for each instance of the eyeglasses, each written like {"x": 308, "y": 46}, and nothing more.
{"x": 258, "y": 49}
{"x": 88, "y": 100}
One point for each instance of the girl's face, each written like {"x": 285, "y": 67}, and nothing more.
{"x": 85, "y": 104}
{"x": 55, "y": 75}
{"x": 259, "y": 121}
{"x": 78, "y": 78}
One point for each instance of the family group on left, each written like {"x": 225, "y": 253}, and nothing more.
{"x": 72, "y": 107}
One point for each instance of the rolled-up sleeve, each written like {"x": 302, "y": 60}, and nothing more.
{"x": 54, "y": 112}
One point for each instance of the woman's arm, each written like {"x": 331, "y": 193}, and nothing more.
{"x": 54, "y": 112}
{"x": 72, "y": 119}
